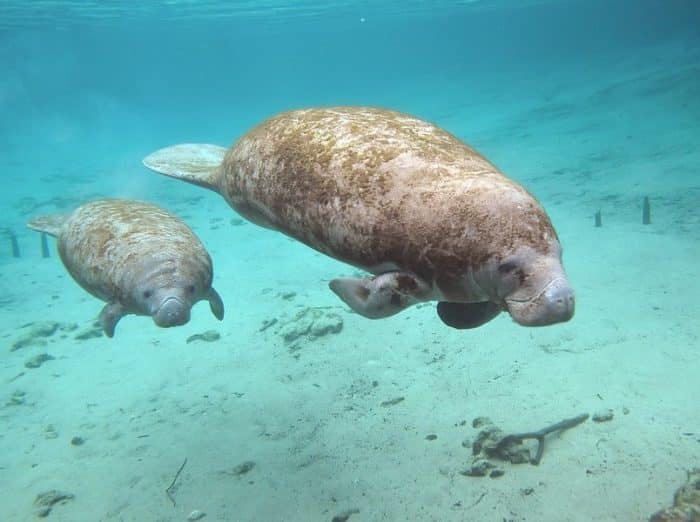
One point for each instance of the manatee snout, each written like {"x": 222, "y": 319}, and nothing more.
{"x": 558, "y": 302}
{"x": 555, "y": 304}
{"x": 173, "y": 311}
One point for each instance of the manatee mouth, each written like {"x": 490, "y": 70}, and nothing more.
{"x": 554, "y": 304}
{"x": 172, "y": 312}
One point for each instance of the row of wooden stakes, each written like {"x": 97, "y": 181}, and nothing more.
{"x": 646, "y": 214}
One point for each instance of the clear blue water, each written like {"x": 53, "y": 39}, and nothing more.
{"x": 591, "y": 104}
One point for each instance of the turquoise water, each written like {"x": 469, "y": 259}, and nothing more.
{"x": 591, "y": 105}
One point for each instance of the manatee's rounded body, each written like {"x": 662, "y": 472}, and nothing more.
{"x": 109, "y": 246}
{"x": 137, "y": 257}
{"x": 379, "y": 189}
{"x": 396, "y": 196}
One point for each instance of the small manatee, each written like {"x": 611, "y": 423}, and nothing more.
{"x": 137, "y": 257}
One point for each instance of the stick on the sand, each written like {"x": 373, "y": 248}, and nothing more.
{"x": 167, "y": 490}
{"x": 540, "y": 435}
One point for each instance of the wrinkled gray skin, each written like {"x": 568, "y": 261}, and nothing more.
{"x": 531, "y": 287}
{"x": 544, "y": 297}
{"x": 159, "y": 288}
{"x": 137, "y": 257}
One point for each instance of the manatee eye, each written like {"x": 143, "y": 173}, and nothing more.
{"x": 147, "y": 294}
{"x": 190, "y": 289}
{"x": 507, "y": 267}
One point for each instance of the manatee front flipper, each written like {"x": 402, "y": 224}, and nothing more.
{"x": 467, "y": 315}
{"x": 382, "y": 295}
{"x": 109, "y": 317}
{"x": 196, "y": 163}
{"x": 216, "y": 304}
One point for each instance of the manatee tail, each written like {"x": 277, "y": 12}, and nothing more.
{"x": 50, "y": 224}
{"x": 196, "y": 163}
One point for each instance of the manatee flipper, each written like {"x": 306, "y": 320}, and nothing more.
{"x": 109, "y": 317}
{"x": 196, "y": 163}
{"x": 216, "y": 304}
{"x": 467, "y": 315}
{"x": 382, "y": 295}
{"x": 50, "y": 224}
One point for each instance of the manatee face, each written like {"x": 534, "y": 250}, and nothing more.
{"x": 168, "y": 304}
{"x": 167, "y": 288}
{"x": 173, "y": 310}
{"x": 531, "y": 286}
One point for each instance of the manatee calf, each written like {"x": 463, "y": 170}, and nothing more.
{"x": 137, "y": 257}
{"x": 398, "y": 197}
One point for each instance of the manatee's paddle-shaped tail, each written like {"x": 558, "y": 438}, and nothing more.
{"x": 50, "y": 224}
{"x": 196, "y": 163}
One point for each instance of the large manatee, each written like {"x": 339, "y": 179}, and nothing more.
{"x": 398, "y": 197}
